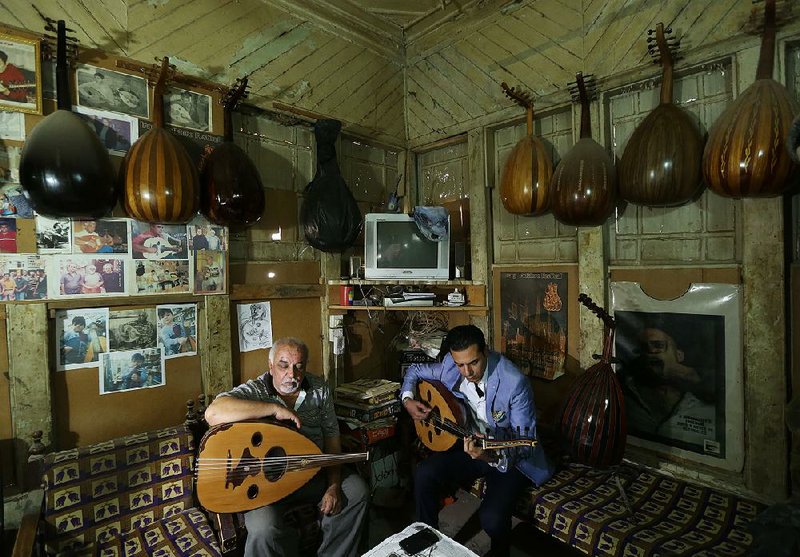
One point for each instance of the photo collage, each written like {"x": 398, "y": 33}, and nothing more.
{"x": 128, "y": 346}
{"x": 113, "y": 257}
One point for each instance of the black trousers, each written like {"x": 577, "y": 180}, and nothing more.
{"x": 442, "y": 473}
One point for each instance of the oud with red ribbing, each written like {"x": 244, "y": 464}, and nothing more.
{"x": 159, "y": 179}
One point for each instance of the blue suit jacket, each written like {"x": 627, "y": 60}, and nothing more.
{"x": 509, "y": 404}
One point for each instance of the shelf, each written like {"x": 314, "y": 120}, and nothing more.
{"x": 404, "y": 282}
{"x": 411, "y": 308}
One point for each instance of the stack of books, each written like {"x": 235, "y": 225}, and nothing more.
{"x": 367, "y": 400}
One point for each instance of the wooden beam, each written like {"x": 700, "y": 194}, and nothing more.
{"x": 349, "y": 22}
{"x": 216, "y": 349}
{"x": 266, "y": 291}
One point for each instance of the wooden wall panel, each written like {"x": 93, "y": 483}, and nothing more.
{"x": 6, "y": 431}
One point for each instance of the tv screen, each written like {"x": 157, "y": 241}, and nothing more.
{"x": 401, "y": 245}
{"x": 394, "y": 248}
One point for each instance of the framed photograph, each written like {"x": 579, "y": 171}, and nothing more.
{"x": 8, "y": 235}
{"x": 187, "y": 109}
{"x": 20, "y": 74}
{"x": 158, "y": 241}
{"x": 100, "y": 236}
{"x": 177, "y": 329}
{"x": 104, "y": 89}
{"x": 680, "y": 367}
{"x": 82, "y": 337}
{"x": 117, "y": 132}
{"x": 131, "y": 329}
{"x": 534, "y": 320}
{"x": 131, "y": 370}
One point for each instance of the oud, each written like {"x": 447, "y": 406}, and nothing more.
{"x": 444, "y": 426}
{"x": 245, "y": 465}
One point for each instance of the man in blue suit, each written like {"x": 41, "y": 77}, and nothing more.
{"x": 499, "y": 403}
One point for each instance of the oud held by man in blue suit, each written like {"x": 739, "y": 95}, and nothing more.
{"x": 499, "y": 403}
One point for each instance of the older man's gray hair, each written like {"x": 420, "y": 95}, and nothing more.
{"x": 288, "y": 341}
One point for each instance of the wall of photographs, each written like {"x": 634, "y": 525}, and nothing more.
{"x": 47, "y": 259}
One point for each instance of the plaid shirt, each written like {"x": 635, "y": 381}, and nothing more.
{"x": 315, "y": 412}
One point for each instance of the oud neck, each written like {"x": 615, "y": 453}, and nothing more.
{"x": 325, "y": 460}
{"x": 509, "y": 444}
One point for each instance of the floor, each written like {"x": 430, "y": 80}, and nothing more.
{"x": 392, "y": 511}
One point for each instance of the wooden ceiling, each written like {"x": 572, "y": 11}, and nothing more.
{"x": 399, "y": 71}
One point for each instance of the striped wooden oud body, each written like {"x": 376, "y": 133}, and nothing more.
{"x": 160, "y": 181}
{"x": 746, "y": 154}
{"x": 660, "y": 166}
{"x": 525, "y": 183}
{"x": 584, "y": 185}
{"x": 593, "y": 421}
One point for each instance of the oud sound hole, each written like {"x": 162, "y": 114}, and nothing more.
{"x": 257, "y": 439}
{"x": 252, "y": 491}
{"x": 275, "y": 464}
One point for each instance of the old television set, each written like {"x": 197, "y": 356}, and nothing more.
{"x": 394, "y": 248}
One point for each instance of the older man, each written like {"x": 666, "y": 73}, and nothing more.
{"x": 286, "y": 392}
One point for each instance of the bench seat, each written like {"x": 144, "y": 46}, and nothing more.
{"x": 657, "y": 515}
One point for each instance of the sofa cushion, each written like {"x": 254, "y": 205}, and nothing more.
{"x": 183, "y": 534}
{"x": 95, "y": 493}
{"x": 585, "y": 508}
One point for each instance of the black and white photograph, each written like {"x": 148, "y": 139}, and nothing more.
{"x": 187, "y": 109}
{"x": 679, "y": 368}
{"x": 255, "y": 326}
{"x": 14, "y": 202}
{"x": 23, "y": 277}
{"x": 12, "y": 126}
{"x": 117, "y": 132}
{"x": 177, "y": 329}
{"x": 82, "y": 336}
{"x": 131, "y": 370}
{"x": 131, "y": 329}
{"x": 88, "y": 276}
{"x": 100, "y": 236}
{"x": 20, "y": 74}
{"x": 109, "y": 90}
{"x": 158, "y": 241}
{"x": 161, "y": 277}
{"x": 53, "y": 235}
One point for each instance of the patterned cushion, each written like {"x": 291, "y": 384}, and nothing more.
{"x": 584, "y": 508}
{"x": 183, "y": 534}
{"x": 95, "y": 493}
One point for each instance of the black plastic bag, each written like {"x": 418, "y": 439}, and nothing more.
{"x": 331, "y": 218}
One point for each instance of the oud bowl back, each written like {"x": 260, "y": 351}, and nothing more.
{"x": 584, "y": 186}
{"x": 231, "y": 190}
{"x": 160, "y": 180}
{"x": 660, "y": 166}
{"x": 525, "y": 185}
{"x": 66, "y": 170}
{"x": 746, "y": 154}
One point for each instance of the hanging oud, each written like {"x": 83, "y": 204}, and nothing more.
{"x": 525, "y": 184}
{"x": 746, "y": 154}
{"x": 660, "y": 166}
{"x": 593, "y": 421}
{"x": 445, "y": 424}
{"x": 160, "y": 181}
{"x": 584, "y": 186}
{"x": 245, "y": 465}
{"x": 64, "y": 168}
{"x": 231, "y": 192}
